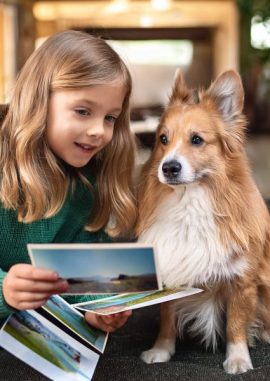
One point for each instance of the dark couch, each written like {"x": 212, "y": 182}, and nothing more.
{"x": 121, "y": 361}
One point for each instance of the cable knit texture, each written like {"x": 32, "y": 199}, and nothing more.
{"x": 67, "y": 226}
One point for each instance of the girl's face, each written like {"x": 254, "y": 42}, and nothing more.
{"x": 80, "y": 122}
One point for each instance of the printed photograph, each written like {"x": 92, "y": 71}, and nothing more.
{"x": 125, "y": 302}
{"x": 38, "y": 342}
{"x": 74, "y": 320}
{"x": 100, "y": 268}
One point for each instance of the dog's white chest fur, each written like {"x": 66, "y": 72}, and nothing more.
{"x": 186, "y": 237}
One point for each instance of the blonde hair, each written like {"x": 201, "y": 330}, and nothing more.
{"x": 33, "y": 181}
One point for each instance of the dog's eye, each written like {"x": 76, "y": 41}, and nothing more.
{"x": 196, "y": 140}
{"x": 163, "y": 139}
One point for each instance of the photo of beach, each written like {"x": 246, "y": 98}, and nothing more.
{"x": 100, "y": 268}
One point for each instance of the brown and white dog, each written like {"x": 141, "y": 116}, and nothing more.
{"x": 200, "y": 207}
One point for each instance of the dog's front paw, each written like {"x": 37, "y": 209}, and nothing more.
{"x": 237, "y": 365}
{"x": 238, "y": 358}
{"x": 156, "y": 355}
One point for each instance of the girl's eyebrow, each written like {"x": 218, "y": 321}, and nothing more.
{"x": 93, "y": 103}
{"x": 84, "y": 100}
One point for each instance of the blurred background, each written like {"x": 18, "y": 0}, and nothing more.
{"x": 155, "y": 37}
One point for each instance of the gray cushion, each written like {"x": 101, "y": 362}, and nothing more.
{"x": 121, "y": 360}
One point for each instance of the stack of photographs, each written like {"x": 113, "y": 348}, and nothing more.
{"x": 55, "y": 339}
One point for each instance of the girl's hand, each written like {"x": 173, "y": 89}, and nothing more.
{"x": 27, "y": 287}
{"x": 107, "y": 323}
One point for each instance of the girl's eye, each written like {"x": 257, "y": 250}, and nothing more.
{"x": 163, "y": 139}
{"x": 196, "y": 140}
{"x": 110, "y": 118}
{"x": 82, "y": 111}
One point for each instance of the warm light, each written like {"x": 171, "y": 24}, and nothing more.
{"x": 118, "y": 6}
{"x": 174, "y": 52}
{"x": 260, "y": 33}
{"x": 52, "y": 10}
{"x": 146, "y": 21}
{"x": 161, "y": 5}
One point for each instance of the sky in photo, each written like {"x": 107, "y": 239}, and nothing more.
{"x": 109, "y": 262}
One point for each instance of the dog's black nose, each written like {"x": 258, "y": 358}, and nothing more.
{"x": 171, "y": 168}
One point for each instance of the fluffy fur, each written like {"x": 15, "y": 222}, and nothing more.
{"x": 200, "y": 207}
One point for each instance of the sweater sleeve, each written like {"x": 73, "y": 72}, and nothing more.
{"x": 5, "y": 309}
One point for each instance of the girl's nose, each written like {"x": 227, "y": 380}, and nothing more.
{"x": 96, "y": 129}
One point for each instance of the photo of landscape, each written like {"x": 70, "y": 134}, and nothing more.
{"x": 31, "y": 337}
{"x": 100, "y": 268}
{"x": 124, "y": 302}
{"x": 74, "y": 320}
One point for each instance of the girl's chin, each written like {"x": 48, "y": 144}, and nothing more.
{"x": 78, "y": 163}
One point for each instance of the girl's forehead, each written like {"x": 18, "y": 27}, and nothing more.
{"x": 117, "y": 84}
{"x": 96, "y": 88}
{"x": 109, "y": 94}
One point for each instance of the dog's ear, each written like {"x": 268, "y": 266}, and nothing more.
{"x": 228, "y": 95}
{"x": 180, "y": 92}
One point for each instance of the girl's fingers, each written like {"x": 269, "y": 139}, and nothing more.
{"x": 117, "y": 319}
{"x": 26, "y": 271}
{"x": 97, "y": 322}
{"x": 37, "y": 286}
{"x": 30, "y": 305}
{"x": 107, "y": 323}
{"x": 28, "y": 297}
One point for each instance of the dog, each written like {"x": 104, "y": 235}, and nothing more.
{"x": 200, "y": 208}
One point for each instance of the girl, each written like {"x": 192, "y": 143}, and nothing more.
{"x": 67, "y": 124}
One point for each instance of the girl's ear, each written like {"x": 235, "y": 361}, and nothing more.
{"x": 228, "y": 95}
{"x": 180, "y": 92}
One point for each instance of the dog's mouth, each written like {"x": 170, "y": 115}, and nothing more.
{"x": 176, "y": 182}
{"x": 174, "y": 173}
{"x": 181, "y": 179}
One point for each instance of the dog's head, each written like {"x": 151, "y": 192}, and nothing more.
{"x": 196, "y": 138}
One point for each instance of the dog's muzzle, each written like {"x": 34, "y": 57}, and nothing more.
{"x": 171, "y": 171}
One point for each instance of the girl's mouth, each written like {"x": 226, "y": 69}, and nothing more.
{"x": 85, "y": 147}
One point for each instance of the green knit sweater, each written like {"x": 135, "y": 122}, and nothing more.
{"x": 67, "y": 226}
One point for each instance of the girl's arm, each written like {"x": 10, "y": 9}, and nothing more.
{"x": 5, "y": 309}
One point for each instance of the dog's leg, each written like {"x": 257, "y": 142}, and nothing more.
{"x": 264, "y": 312}
{"x": 164, "y": 346}
{"x": 241, "y": 310}
{"x": 264, "y": 294}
